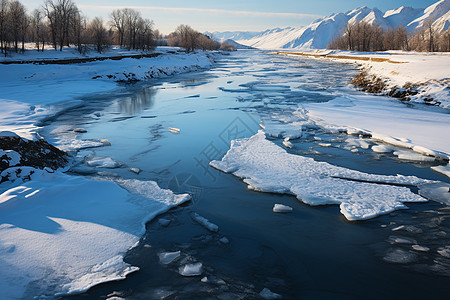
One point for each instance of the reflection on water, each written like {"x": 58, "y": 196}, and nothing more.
{"x": 142, "y": 100}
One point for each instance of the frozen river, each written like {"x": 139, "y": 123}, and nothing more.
{"x": 311, "y": 253}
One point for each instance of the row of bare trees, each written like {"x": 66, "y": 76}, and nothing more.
{"x": 365, "y": 37}
{"x": 61, "y": 24}
{"x": 190, "y": 39}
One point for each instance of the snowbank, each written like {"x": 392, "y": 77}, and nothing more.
{"x": 30, "y": 92}
{"x": 266, "y": 167}
{"x": 388, "y": 120}
{"x": 62, "y": 234}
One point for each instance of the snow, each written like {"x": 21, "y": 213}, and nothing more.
{"x": 58, "y": 236}
{"x": 280, "y": 208}
{"x": 167, "y": 257}
{"x": 386, "y": 120}
{"x": 30, "y": 92}
{"x": 11, "y": 157}
{"x": 189, "y": 270}
{"x": 205, "y": 222}
{"x": 265, "y": 167}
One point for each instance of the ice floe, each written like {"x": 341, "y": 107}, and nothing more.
{"x": 280, "y": 208}
{"x": 267, "y": 167}
{"x": 205, "y": 222}
{"x": 189, "y": 270}
{"x": 287, "y": 143}
{"x": 167, "y": 257}
{"x": 413, "y": 156}
{"x": 381, "y": 149}
{"x": 174, "y": 130}
{"x": 445, "y": 170}
{"x": 103, "y": 162}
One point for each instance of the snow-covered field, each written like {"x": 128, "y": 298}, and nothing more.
{"x": 62, "y": 234}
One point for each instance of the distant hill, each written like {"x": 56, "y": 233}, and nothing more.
{"x": 321, "y": 32}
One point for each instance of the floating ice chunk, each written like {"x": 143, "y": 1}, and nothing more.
{"x": 167, "y": 257}
{"x": 276, "y": 128}
{"x": 204, "y": 279}
{"x": 258, "y": 161}
{"x": 358, "y": 143}
{"x": 135, "y": 170}
{"x": 75, "y": 145}
{"x": 444, "y": 251}
{"x": 164, "y": 222}
{"x": 445, "y": 170}
{"x": 191, "y": 270}
{"x": 205, "y": 222}
{"x": 80, "y": 130}
{"x": 412, "y": 156}
{"x": 354, "y": 150}
{"x": 174, "y": 130}
{"x": 280, "y": 208}
{"x": 316, "y": 138}
{"x": 398, "y": 228}
{"x": 420, "y": 248}
{"x": 224, "y": 241}
{"x": 399, "y": 256}
{"x": 439, "y": 192}
{"x": 326, "y": 145}
{"x": 103, "y": 162}
{"x": 401, "y": 240}
{"x": 287, "y": 143}
{"x": 268, "y": 294}
{"x": 381, "y": 149}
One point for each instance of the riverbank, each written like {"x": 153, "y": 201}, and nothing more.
{"x": 57, "y": 235}
{"x": 411, "y": 76}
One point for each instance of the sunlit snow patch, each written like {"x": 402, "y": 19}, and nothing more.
{"x": 267, "y": 167}
{"x": 65, "y": 234}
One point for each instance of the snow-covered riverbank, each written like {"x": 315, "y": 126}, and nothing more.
{"x": 62, "y": 234}
{"x": 427, "y": 72}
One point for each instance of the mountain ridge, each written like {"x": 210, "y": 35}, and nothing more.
{"x": 321, "y": 32}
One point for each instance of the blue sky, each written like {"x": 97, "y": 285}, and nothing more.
{"x": 223, "y": 15}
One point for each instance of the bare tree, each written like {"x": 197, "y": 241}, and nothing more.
{"x": 98, "y": 34}
{"x": 3, "y": 24}
{"x": 18, "y": 21}
{"x": 59, "y": 13}
{"x": 117, "y": 22}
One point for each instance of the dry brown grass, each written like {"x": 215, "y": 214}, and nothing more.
{"x": 348, "y": 57}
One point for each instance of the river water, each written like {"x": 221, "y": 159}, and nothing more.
{"x": 311, "y": 253}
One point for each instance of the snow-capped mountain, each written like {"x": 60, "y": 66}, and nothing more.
{"x": 321, "y": 32}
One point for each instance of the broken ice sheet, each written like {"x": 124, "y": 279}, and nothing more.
{"x": 267, "y": 167}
